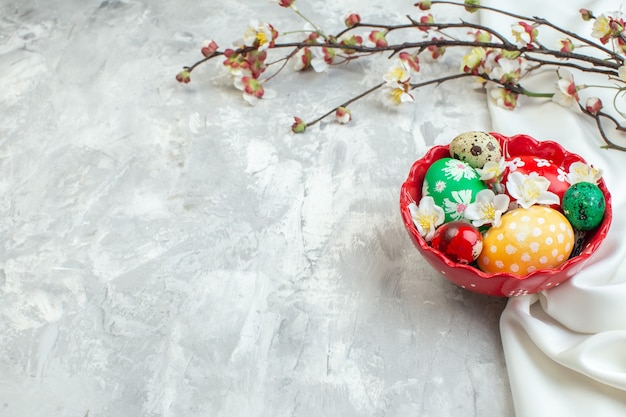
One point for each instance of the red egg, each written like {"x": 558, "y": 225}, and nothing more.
{"x": 554, "y": 173}
{"x": 459, "y": 241}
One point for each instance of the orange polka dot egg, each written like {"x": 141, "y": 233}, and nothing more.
{"x": 526, "y": 240}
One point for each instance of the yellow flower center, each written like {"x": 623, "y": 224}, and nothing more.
{"x": 396, "y": 96}
{"x": 398, "y": 73}
{"x": 488, "y": 211}
{"x": 531, "y": 190}
{"x": 261, "y": 38}
{"x": 425, "y": 221}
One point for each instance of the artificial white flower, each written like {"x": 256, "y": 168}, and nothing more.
{"x": 601, "y": 27}
{"x": 492, "y": 170}
{"x": 322, "y": 58}
{"x": 566, "y": 91}
{"x": 508, "y": 70}
{"x": 399, "y": 72}
{"x": 427, "y": 216}
{"x": 472, "y": 61}
{"x": 524, "y": 34}
{"x": 258, "y": 34}
{"x": 487, "y": 208}
{"x": 530, "y": 189}
{"x": 252, "y": 89}
{"x": 396, "y": 94}
{"x": 302, "y": 59}
{"x": 581, "y": 172}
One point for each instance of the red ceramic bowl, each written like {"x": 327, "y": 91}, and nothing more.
{"x": 501, "y": 284}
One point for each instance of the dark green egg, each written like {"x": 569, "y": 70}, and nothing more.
{"x": 584, "y": 205}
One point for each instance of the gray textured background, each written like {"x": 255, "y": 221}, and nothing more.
{"x": 168, "y": 250}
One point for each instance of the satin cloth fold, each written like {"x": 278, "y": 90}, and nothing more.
{"x": 565, "y": 348}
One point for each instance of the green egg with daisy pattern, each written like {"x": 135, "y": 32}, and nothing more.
{"x": 453, "y": 185}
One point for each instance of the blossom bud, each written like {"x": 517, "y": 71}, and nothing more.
{"x": 343, "y": 115}
{"x": 567, "y": 45}
{"x": 426, "y": 19}
{"x": 470, "y": 5}
{"x": 424, "y": 5}
{"x": 183, "y": 77}
{"x": 352, "y": 20}
{"x": 510, "y": 54}
{"x": 593, "y": 105}
{"x": 482, "y": 36}
{"x": 252, "y": 87}
{"x": 298, "y": 126}
{"x": 378, "y": 38}
{"x": 303, "y": 59}
{"x": 209, "y": 48}
{"x": 435, "y": 50}
{"x": 412, "y": 61}
{"x": 616, "y": 26}
{"x": 586, "y": 14}
{"x": 352, "y": 40}
{"x": 286, "y": 3}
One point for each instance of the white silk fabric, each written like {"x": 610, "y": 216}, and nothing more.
{"x": 565, "y": 348}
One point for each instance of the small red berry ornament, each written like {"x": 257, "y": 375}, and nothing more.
{"x": 459, "y": 241}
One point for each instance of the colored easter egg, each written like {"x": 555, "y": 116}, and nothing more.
{"x": 527, "y": 240}
{"x": 453, "y": 185}
{"x": 584, "y": 205}
{"x": 475, "y": 148}
{"x": 459, "y": 241}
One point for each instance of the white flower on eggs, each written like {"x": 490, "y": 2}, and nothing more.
{"x": 530, "y": 189}
{"x": 492, "y": 170}
{"x": 426, "y": 217}
{"x": 581, "y": 172}
{"x": 487, "y": 208}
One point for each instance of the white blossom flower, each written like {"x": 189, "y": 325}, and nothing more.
{"x": 530, "y": 189}
{"x": 601, "y": 27}
{"x": 399, "y": 72}
{"x": 258, "y": 34}
{"x": 492, "y": 170}
{"x": 487, "y": 208}
{"x": 566, "y": 91}
{"x": 581, "y": 172}
{"x": 524, "y": 34}
{"x": 396, "y": 94}
{"x": 252, "y": 89}
{"x": 322, "y": 58}
{"x": 508, "y": 70}
{"x": 427, "y": 216}
{"x": 474, "y": 59}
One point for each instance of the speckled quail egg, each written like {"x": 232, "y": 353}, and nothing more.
{"x": 475, "y": 148}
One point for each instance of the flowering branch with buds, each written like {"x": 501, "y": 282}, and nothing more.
{"x": 499, "y": 63}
